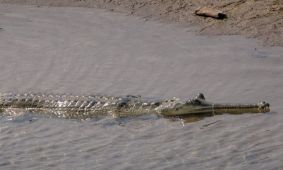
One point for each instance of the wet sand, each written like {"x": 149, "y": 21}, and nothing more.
{"x": 254, "y": 19}
{"x": 91, "y": 51}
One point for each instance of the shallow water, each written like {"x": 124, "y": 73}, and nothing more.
{"x": 88, "y": 51}
{"x": 222, "y": 142}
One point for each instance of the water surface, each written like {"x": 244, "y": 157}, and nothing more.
{"x": 89, "y": 51}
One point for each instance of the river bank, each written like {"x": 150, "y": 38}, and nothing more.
{"x": 253, "y": 19}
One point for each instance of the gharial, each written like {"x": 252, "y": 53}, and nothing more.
{"x": 83, "y": 107}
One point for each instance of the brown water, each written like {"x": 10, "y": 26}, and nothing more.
{"x": 89, "y": 51}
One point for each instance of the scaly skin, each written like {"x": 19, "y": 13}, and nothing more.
{"x": 82, "y": 107}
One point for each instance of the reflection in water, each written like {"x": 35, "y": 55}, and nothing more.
{"x": 19, "y": 115}
{"x": 147, "y": 141}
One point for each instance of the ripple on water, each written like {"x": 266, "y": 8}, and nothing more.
{"x": 142, "y": 143}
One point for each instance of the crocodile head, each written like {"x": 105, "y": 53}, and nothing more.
{"x": 200, "y": 107}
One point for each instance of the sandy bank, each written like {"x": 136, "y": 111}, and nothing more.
{"x": 256, "y": 19}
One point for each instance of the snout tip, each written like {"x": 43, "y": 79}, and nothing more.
{"x": 264, "y": 107}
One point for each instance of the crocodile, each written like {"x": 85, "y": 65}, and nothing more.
{"x": 84, "y": 107}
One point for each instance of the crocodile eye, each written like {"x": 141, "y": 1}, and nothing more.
{"x": 200, "y": 96}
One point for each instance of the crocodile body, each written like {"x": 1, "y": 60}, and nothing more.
{"x": 82, "y": 107}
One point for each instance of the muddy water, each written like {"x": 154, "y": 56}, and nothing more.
{"x": 88, "y": 51}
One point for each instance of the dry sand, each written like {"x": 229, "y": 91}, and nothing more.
{"x": 89, "y": 51}
{"x": 262, "y": 19}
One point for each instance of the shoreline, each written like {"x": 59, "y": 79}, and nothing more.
{"x": 262, "y": 20}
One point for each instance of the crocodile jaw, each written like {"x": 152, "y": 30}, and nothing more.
{"x": 195, "y": 110}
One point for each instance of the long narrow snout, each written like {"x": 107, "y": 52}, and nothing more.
{"x": 261, "y": 107}
{"x": 202, "y": 108}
